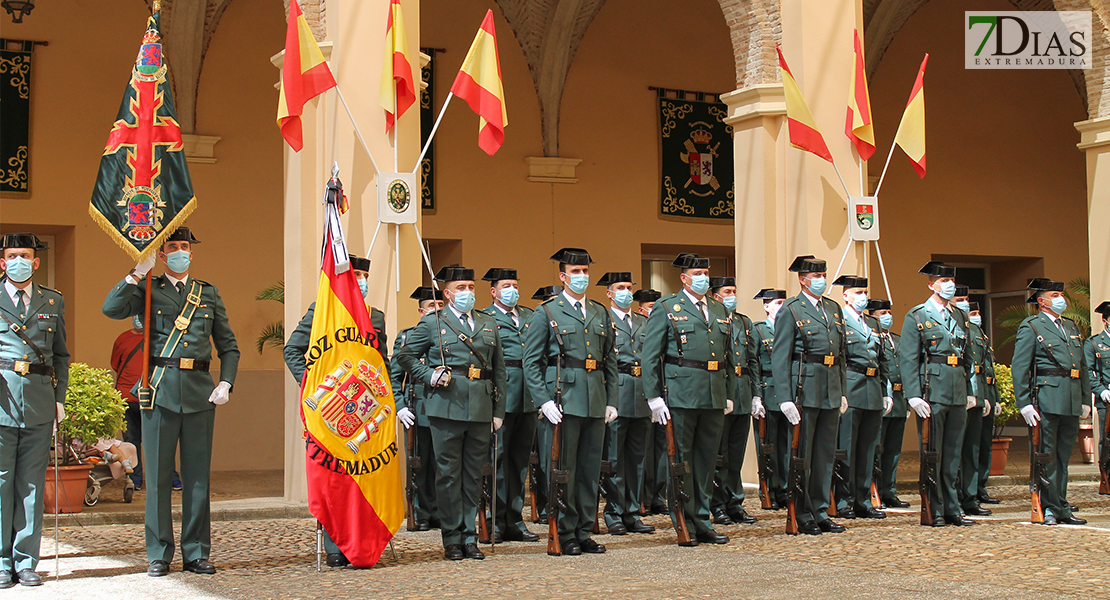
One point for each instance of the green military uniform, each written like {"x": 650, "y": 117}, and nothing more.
{"x": 182, "y": 413}
{"x": 986, "y": 436}
{"x": 978, "y": 348}
{"x": 809, "y": 336}
{"x": 653, "y": 496}
{"x": 1049, "y": 367}
{"x": 861, "y": 425}
{"x": 688, "y": 361}
{"x": 778, "y": 428}
{"x": 541, "y": 442}
{"x": 894, "y": 422}
{"x": 1096, "y": 352}
{"x": 31, "y": 387}
{"x": 413, "y": 394}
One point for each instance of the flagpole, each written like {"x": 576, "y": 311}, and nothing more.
{"x": 842, "y": 257}
{"x": 428, "y": 143}
{"x": 883, "y": 176}
{"x": 396, "y": 119}
{"x": 373, "y": 240}
{"x": 357, "y": 132}
{"x": 847, "y": 194}
{"x": 397, "y": 255}
{"x": 879, "y": 254}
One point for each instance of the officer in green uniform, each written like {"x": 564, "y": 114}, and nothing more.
{"x": 514, "y": 439}
{"x": 464, "y": 369}
{"x": 989, "y": 393}
{"x": 868, "y": 401}
{"x": 34, "y": 364}
{"x": 294, "y": 353}
{"x": 411, "y": 398}
{"x": 542, "y": 437}
{"x": 689, "y": 368}
{"x": 629, "y": 422}
{"x": 977, "y": 416}
{"x": 1049, "y": 369}
{"x": 188, "y": 320}
{"x": 571, "y": 338}
{"x": 728, "y": 493}
{"x": 778, "y": 428}
{"x": 809, "y": 353}
{"x": 654, "y": 495}
{"x": 934, "y": 345}
{"x": 1096, "y": 351}
{"x": 894, "y": 422}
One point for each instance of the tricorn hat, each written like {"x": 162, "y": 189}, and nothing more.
{"x": 499, "y": 274}
{"x": 547, "y": 292}
{"x": 573, "y": 256}
{"x": 768, "y": 294}
{"x": 851, "y": 281}
{"x": 1104, "y": 310}
{"x": 646, "y": 295}
{"x": 878, "y": 304}
{"x": 689, "y": 260}
{"x": 455, "y": 273}
{"x": 962, "y": 290}
{"x": 1042, "y": 284}
{"x": 972, "y": 306}
{"x": 426, "y": 292}
{"x": 182, "y": 234}
{"x": 935, "y": 268}
{"x": 716, "y": 283}
{"x": 23, "y": 240}
{"x": 358, "y": 263}
{"x": 807, "y": 264}
{"x": 615, "y": 277}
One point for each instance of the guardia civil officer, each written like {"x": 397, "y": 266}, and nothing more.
{"x": 986, "y": 437}
{"x": 894, "y": 422}
{"x": 463, "y": 366}
{"x": 34, "y": 363}
{"x": 933, "y": 354}
{"x": 1051, "y": 390}
{"x": 654, "y": 495}
{"x": 977, "y": 416}
{"x": 689, "y": 374}
{"x": 188, "y": 320}
{"x": 569, "y": 346}
{"x": 778, "y": 428}
{"x": 629, "y": 422}
{"x": 728, "y": 497}
{"x": 809, "y": 355}
{"x": 539, "y": 481}
{"x": 1096, "y": 351}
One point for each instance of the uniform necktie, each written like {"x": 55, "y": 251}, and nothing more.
{"x": 704, "y": 310}
{"x": 19, "y": 301}
{"x": 1063, "y": 332}
{"x": 180, "y": 287}
{"x": 578, "y": 307}
{"x": 516, "y": 322}
{"x": 466, "y": 322}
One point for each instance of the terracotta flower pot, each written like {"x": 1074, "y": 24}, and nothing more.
{"x": 72, "y": 482}
{"x": 1000, "y": 454}
{"x": 1087, "y": 443}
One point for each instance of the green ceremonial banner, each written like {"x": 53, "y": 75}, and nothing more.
{"x": 15, "y": 118}
{"x": 427, "y": 120}
{"x": 143, "y": 191}
{"x": 696, "y": 165}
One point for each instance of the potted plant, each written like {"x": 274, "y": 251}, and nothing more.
{"x": 94, "y": 409}
{"x": 1000, "y": 446}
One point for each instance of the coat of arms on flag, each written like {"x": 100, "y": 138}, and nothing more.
{"x": 696, "y": 165}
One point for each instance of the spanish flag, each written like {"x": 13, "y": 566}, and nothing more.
{"x": 804, "y": 134}
{"x": 304, "y": 75}
{"x": 397, "y": 90}
{"x": 911, "y": 131}
{"x": 479, "y": 83}
{"x": 858, "y": 127}
{"x": 355, "y": 488}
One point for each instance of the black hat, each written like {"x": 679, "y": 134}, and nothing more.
{"x": 182, "y": 234}
{"x": 615, "y": 277}
{"x": 716, "y": 283}
{"x": 646, "y": 295}
{"x": 426, "y": 292}
{"x": 547, "y": 292}
{"x": 807, "y": 264}
{"x": 23, "y": 240}
{"x": 962, "y": 290}
{"x": 878, "y": 304}
{"x": 689, "y": 260}
{"x": 768, "y": 294}
{"x": 499, "y": 274}
{"x": 1042, "y": 284}
{"x": 1104, "y": 310}
{"x": 573, "y": 256}
{"x": 455, "y": 273}
{"x": 359, "y": 263}
{"x": 851, "y": 281}
{"x": 972, "y": 306}
{"x": 935, "y": 268}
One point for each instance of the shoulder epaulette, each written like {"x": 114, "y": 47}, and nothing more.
{"x": 50, "y": 289}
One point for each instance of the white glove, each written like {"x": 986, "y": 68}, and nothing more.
{"x": 440, "y": 377}
{"x": 920, "y": 407}
{"x": 141, "y": 269}
{"x": 220, "y": 394}
{"x": 1105, "y": 395}
{"x": 60, "y": 412}
{"x": 790, "y": 411}
{"x": 406, "y": 417}
{"x": 888, "y": 403}
{"x": 970, "y": 402}
{"x": 1086, "y": 411}
{"x": 729, "y": 405}
{"x": 843, "y": 404}
{"x": 758, "y": 410}
{"x": 552, "y": 412}
{"x": 610, "y": 414}
{"x": 659, "y": 412}
{"x": 997, "y": 408}
{"x": 1030, "y": 414}
{"x": 986, "y": 408}
{"x": 497, "y": 423}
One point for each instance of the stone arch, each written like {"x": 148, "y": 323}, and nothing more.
{"x": 755, "y": 27}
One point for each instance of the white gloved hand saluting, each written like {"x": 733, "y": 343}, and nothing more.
{"x": 986, "y": 408}
{"x": 552, "y": 412}
{"x": 729, "y": 405}
{"x": 144, "y": 267}
{"x": 920, "y": 407}
{"x": 790, "y": 411}
{"x": 843, "y": 404}
{"x": 888, "y": 404}
{"x": 1032, "y": 417}
{"x": 440, "y": 377}
{"x": 406, "y": 417}
{"x": 497, "y": 423}
{"x": 221, "y": 394}
{"x": 610, "y": 414}
{"x": 758, "y": 410}
{"x": 659, "y": 412}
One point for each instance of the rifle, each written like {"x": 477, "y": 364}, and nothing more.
{"x": 927, "y": 476}
{"x": 795, "y": 480}
{"x": 876, "y": 475}
{"x": 763, "y": 461}
{"x": 1037, "y": 464}
{"x": 414, "y": 462}
{"x": 604, "y": 490}
{"x": 678, "y": 497}
{"x": 1104, "y": 456}
{"x": 840, "y": 475}
{"x": 557, "y": 477}
{"x": 485, "y": 501}
{"x": 533, "y": 479}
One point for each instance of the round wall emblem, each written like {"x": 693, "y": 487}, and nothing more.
{"x": 399, "y": 195}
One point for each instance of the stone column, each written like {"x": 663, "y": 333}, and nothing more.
{"x": 1095, "y": 142}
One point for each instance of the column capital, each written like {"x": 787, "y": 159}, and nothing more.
{"x": 761, "y": 100}
{"x": 1094, "y": 133}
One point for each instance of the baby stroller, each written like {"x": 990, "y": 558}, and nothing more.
{"x": 100, "y": 474}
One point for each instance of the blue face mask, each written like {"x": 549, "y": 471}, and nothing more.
{"x": 818, "y": 285}
{"x": 1059, "y": 305}
{"x": 178, "y": 261}
{"x": 362, "y": 286}
{"x": 623, "y": 298}
{"x": 699, "y": 284}
{"x": 729, "y": 302}
{"x": 886, "y": 320}
{"x": 963, "y": 305}
{"x": 463, "y": 301}
{"x": 19, "y": 269}
{"x": 947, "y": 290}
{"x": 859, "y": 302}
{"x": 578, "y": 283}
{"x": 509, "y": 296}
{"x": 978, "y": 320}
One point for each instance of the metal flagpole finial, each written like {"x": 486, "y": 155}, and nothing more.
{"x": 156, "y": 6}
{"x": 335, "y": 169}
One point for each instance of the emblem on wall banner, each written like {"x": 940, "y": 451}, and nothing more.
{"x": 397, "y": 193}
{"x": 863, "y": 219}
{"x": 348, "y": 402}
{"x": 697, "y": 157}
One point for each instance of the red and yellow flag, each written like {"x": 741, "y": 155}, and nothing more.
{"x": 801, "y": 125}
{"x": 397, "y": 90}
{"x": 355, "y": 488}
{"x": 911, "y": 131}
{"x": 858, "y": 127}
{"x": 479, "y": 83}
{"x": 304, "y": 75}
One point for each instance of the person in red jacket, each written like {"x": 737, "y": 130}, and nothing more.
{"x": 127, "y": 362}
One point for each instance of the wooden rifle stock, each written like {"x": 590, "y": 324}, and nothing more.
{"x": 677, "y": 471}
{"x": 413, "y": 464}
{"x": 927, "y": 476}
{"x": 764, "y": 465}
{"x": 533, "y": 480}
{"x": 485, "y": 497}
{"x": 554, "y": 546}
{"x": 876, "y": 474}
{"x": 1104, "y": 458}
{"x": 794, "y": 481}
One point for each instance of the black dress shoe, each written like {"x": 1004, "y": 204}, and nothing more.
{"x": 1073, "y": 521}
{"x": 895, "y": 503}
{"x": 1050, "y": 519}
{"x": 809, "y": 528}
{"x": 712, "y": 537}
{"x": 200, "y": 566}
{"x": 433, "y": 523}
{"x": 937, "y": 522}
{"x": 958, "y": 521}
{"x": 978, "y": 511}
{"x": 659, "y": 509}
{"x": 987, "y": 499}
{"x": 516, "y": 535}
{"x": 639, "y": 526}
{"x": 29, "y": 578}
{"x": 775, "y": 505}
{"x": 742, "y": 516}
{"x": 828, "y": 526}
{"x": 336, "y": 559}
{"x": 158, "y": 568}
{"x": 617, "y": 529}
{"x": 572, "y": 548}
{"x": 1073, "y": 508}
{"x": 589, "y": 546}
{"x": 6, "y": 580}
{"x": 542, "y": 520}
{"x": 845, "y": 513}
{"x": 693, "y": 543}
{"x": 721, "y": 518}
{"x": 453, "y": 552}
{"x": 471, "y": 551}
{"x": 497, "y": 538}
{"x": 870, "y": 513}
{"x": 421, "y": 525}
